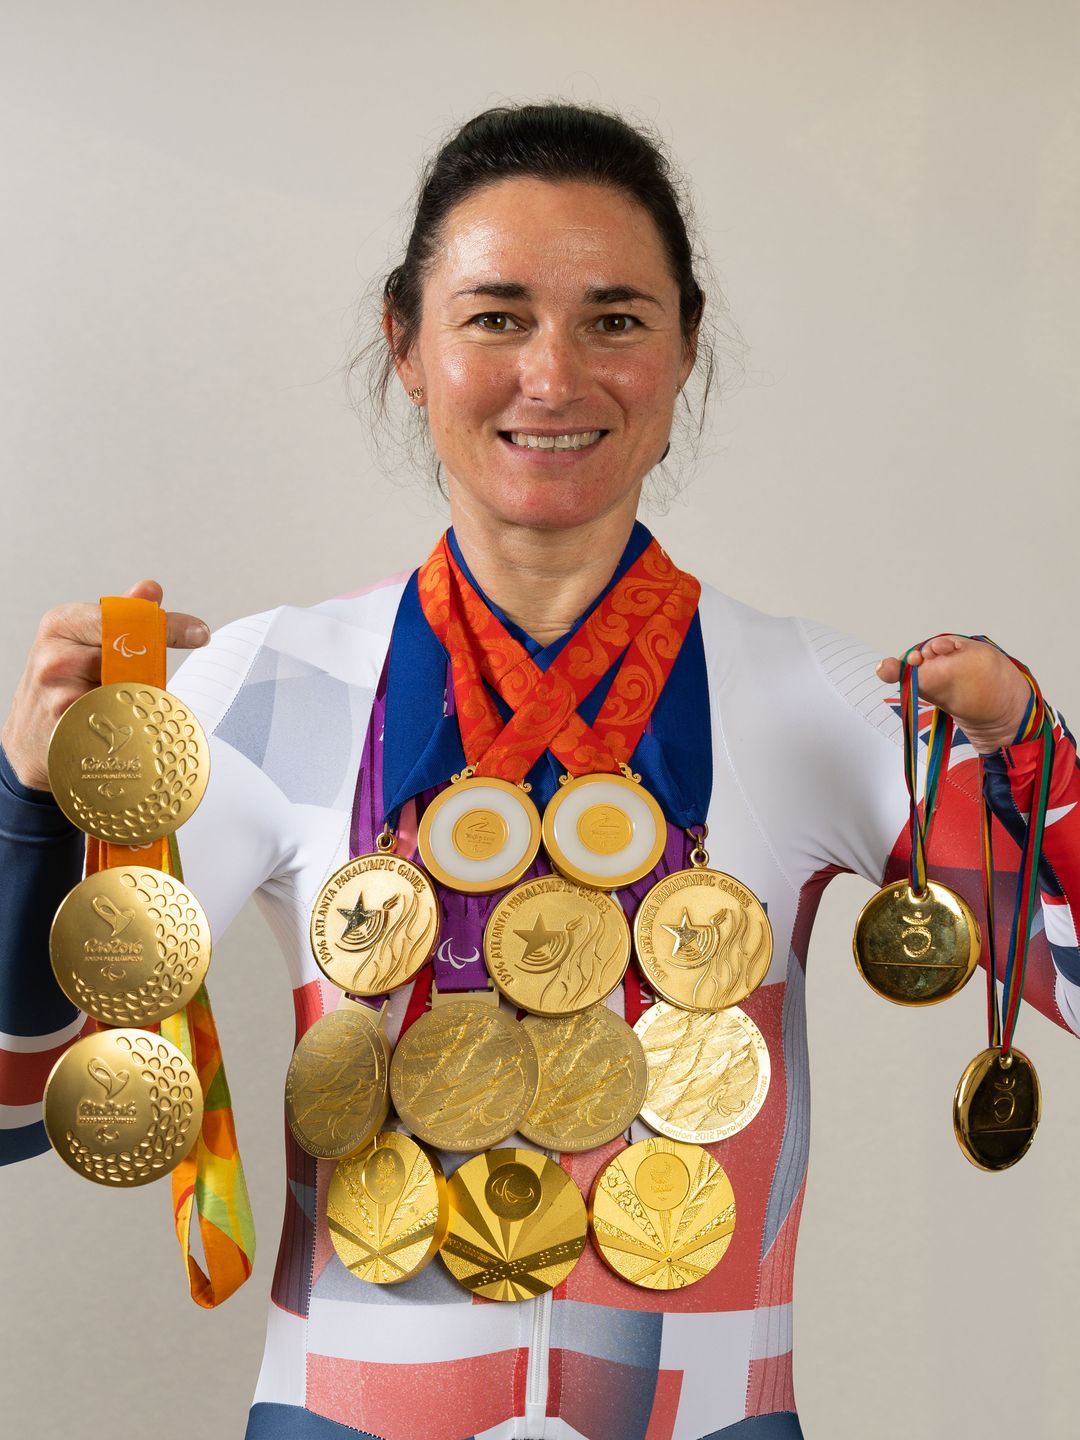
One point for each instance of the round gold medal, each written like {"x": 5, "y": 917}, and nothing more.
{"x": 374, "y": 924}
{"x": 996, "y": 1108}
{"x": 604, "y": 830}
{"x": 916, "y": 950}
{"x": 123, "y": 1107}
{"x": 337, "y": 1088}
{"x": 662, "y": 1214}
{"x": 386, "y": 1209}
{"x": 517, "y": 1225}
{"x": 592, "y": 1079}
{"x": 130, "y": 945}
{"x": 708, "y": 1073}
{"x": 554, "y": 948}
{"x": 463, "y": 1077}
{"x": 128, "y": 763}
{"x": 479, "y": 835}
{"x": 702, "y": 939}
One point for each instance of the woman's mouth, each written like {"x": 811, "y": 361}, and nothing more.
{"x": 568, "y": 440}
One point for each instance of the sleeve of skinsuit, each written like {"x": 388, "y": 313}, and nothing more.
{"x": 231, "y": 846}
{"x": 868, "y": 830}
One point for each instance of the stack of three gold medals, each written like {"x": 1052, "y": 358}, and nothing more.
{"x": 570, "y": 1077}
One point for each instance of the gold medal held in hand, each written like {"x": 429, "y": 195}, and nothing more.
{"x": 517, "y": 1225}
{"x": 703, "y": 940}
{"x": 916, "y": 949}
{"x": 662, "y": 1214}
{"x": 996, "y": 1109}
{"x": 130, "y": 945}
{"x": 480, "y": 834}
{"x": 387, "y": 1209}
{"x": 337, "y": 1091}
{"x": 128, "y": 763}
{"x": 554, "y": 947}
{"x": 708, "y": 1073}
{"x": 464, "y": 1076}
{"x": 123, "y": 1107}
{"x": 605, "y": 831}
{"x": 593, "y": 1079}
{"x": 375, "y": 922}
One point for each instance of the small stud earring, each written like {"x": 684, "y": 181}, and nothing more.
{"x": 417, "y": 393}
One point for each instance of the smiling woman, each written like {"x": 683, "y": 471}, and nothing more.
{"x": 639, "y": 1142}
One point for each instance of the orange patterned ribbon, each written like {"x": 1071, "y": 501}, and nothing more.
{"x": 211, "y": 1178}
{"x": 643, "y": 618}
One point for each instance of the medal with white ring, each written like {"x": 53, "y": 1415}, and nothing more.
{"x": 480, "y": 834}
{"x": 606, "y": 831}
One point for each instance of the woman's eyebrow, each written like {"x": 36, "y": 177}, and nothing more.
{"x": 594, "y": 295}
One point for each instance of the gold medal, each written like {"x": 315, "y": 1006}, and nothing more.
{"x": 703, "y": 940}
{"x": 130, "y": 945}
{"x": 128, "y": 763}
{"x": 480, "y": 834}
{"x": 517, "y": 1225}
{"x": 337, "y": 1088}
{"x": 464, "y": 1076}
{"x": 387, "y": 1210}
{"x": 996, "y": 1108}
{"x": 916, "y": 950}
{"x": 708, "y": 1073}
{"x": 662, "y": 1214}
{"x": 554, "y": 948}
{"x": 374, "y": 924}
{"x": 592, "y": 1079}
{"x": 123, "y": 1107}
{"x": 604, "y": 830}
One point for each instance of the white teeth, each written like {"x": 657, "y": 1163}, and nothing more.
{"x": 554, "y": 442}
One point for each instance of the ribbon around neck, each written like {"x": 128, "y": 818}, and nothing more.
{"x": 211, "y": 1178}
{"x": 644, "y": 618}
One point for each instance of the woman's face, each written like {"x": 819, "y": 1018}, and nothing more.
{"x": 550, "y": 352}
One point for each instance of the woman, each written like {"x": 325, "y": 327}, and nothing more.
{"x": 546, "y": 318}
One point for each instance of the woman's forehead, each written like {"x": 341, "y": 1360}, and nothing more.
{"x": 539, "y": 234}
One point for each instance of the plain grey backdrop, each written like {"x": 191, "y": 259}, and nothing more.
{"x": 195, "y": 197}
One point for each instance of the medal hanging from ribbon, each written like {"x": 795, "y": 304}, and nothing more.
{"x": 146, "y": 1096}
{"x": 917, "y": 942}
{"x": 997, "y": 1104}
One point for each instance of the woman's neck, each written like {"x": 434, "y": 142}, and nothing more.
{"x": 542, "y": 579}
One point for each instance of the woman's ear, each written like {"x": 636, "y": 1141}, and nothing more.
{"x": 409, "y": 372}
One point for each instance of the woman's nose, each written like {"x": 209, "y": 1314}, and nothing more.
{"x": 553, "y": 370}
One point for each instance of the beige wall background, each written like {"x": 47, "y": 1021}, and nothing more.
{"x": 194, "y": 197}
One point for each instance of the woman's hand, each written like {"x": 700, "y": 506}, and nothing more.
{"x": 974, "y": 682}
{"x": 64, "y": 663}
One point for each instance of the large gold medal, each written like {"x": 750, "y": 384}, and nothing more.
{"x": 702, "y": 939}
{"x": 387, "y": 1210}
{"x": 916, "y": 949}
{"x": 374, "y": 924}
{"x": 479, "y": 835}
{"x": 592, "y": 1079}
{"x": 337, "y": 1091}
{"x": 662, "y": 1214}
{"x": 128, "y": 763}
{"x": 996, "y": 1108}
{"x": 517, "y": 1225}
{"x": 554, "y": 947}
{"x": 123, "y": 1107}
{"x": 604, "y": 830}
{"x": 708, "y": 1073}
{"x": 464, "y": 1076}
{"x": 130, "y": 945}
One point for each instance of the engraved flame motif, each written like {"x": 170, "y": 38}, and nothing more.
{"x": 731, "y": 954}
{"x": 571, "y": 956}
{"x": 383, "y": 936}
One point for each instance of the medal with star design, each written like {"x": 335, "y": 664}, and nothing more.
{"x": 703, "y": 940}
{"x": 375, "y": 922}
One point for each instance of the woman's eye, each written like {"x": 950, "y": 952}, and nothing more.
{"x": 617, "y": 324}
{"x": 495, "y": 321}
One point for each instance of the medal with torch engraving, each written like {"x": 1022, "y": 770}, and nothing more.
{"x": 998, "y": 1100}
{"x": 916, "y": 941}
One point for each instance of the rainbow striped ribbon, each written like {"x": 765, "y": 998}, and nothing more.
{"x": 939, "y": 744}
